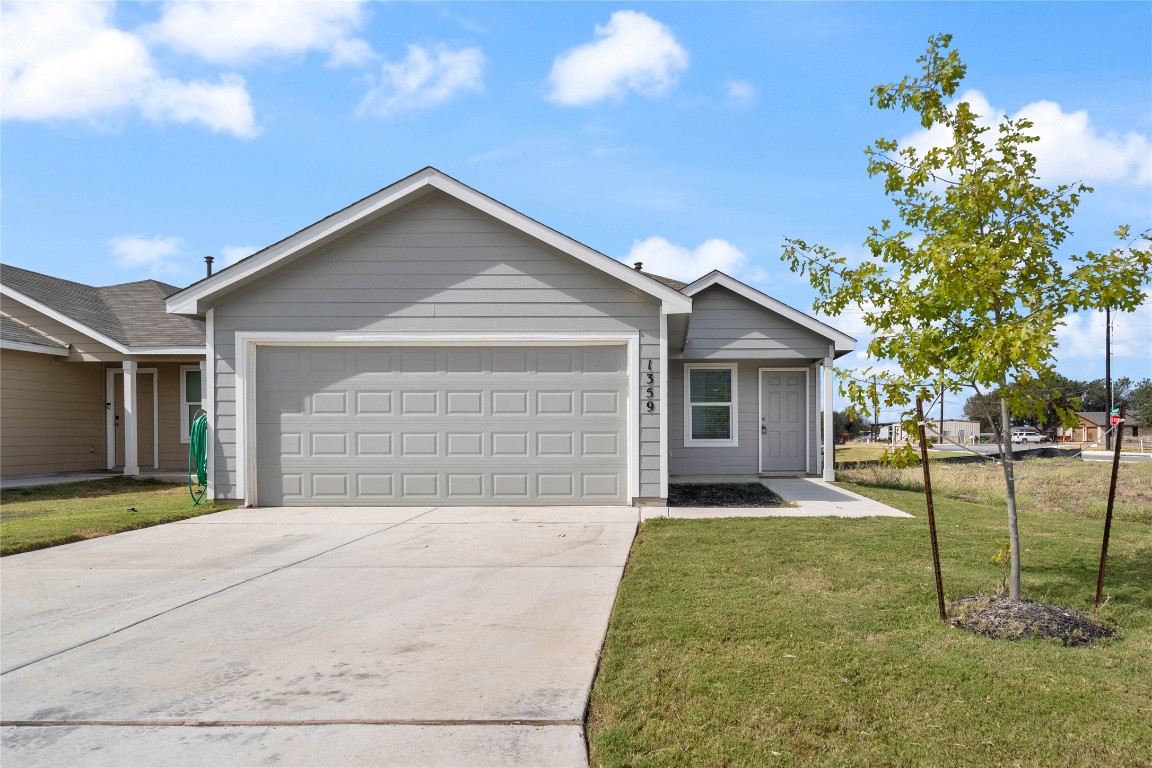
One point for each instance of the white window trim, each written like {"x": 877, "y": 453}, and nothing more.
{"x": 185, "y": 424}
{"x": 734, "y": 440}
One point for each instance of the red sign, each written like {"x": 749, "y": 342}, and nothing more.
{"x": 1115, "y": 419}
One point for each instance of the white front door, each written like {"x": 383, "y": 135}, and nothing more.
{"x": 783, "y": 411}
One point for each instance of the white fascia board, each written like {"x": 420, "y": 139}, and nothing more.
{"x": 193, "y": 300}
{"x": 843, "y": 342}
{"x": 63, "y": 319}
{"x": 183, "y": 351}
{"x": 93, "y": 334}
{"x": 40, "y": 349}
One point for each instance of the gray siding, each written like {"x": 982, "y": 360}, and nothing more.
{"x": 741, "y": 459}
{"x": 727, "y": 326}
{"x": 435, "y": 265}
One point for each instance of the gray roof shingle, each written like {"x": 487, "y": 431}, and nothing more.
{"x": 668, "y": 281}
{"x": 132, "y": 314}
{"x": 13, "y": 330}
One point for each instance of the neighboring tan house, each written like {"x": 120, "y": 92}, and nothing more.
{"x": 430, "y": 345}
{"x": 66, "y": 352}
{"x": 1092, "y": 425}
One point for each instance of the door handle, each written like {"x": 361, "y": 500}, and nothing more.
{"x": 763, "y": 429}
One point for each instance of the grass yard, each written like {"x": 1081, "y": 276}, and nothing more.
{"x": 1078, "y": 488}
{"x": 873, "y": 452}
{"x": 48, "y": 515}
{"x": 770, "y": 641}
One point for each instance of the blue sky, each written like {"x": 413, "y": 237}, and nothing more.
{"x": 138, "y": 138}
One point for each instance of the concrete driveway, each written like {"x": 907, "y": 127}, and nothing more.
{"x": 293, "y": 637}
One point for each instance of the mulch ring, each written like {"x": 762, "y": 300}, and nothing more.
{"x": 1000, "y": 617}
{"x": 722, "y": 495}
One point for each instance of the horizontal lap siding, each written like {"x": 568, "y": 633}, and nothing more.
{"x": 725, "y": 325}
{"x": 173, "y": 450}
{"x": 742, "y": 459}
{"x": 435, "y": 265}
{"x": 51, "y": 415}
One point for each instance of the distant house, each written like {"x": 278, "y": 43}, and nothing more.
{"x": 1092, "y": 425}
{"x": 953, "y": 430}
{"x": 94, "y": 378}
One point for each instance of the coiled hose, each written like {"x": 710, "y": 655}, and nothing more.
{"x": 198, "y": 457}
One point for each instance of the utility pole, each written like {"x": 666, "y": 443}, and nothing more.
{"x": 1108, "y": 370}
{"x": 875, "y": 413}
{"x": 941, "y": 425}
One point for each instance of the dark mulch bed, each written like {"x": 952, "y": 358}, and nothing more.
{"x": 722, "y": 495}
{"x": 999, "y": 617}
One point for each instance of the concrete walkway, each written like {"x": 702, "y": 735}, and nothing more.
{"x": 313, "y": 637}
{"x": 811, "y": 497}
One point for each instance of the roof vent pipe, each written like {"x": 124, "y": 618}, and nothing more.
{"x": 639, "y": 266}
{"x": 208, "y": 263}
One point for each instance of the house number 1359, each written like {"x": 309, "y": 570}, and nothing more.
{"x": 649, "y": 389}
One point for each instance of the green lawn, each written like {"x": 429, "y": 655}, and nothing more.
{"x": 761, "y": 642}
{"x": 44, "y": 516}
{"x": 866, "y": 452}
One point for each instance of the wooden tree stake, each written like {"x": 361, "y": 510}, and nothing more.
{"x": 931, "y": 508}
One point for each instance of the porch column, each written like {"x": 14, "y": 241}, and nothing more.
{"x": 829, "y": 438}
{"x": 131, "y": 460}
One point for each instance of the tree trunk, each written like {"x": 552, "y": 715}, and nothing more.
{"x": 1010, "y": 485}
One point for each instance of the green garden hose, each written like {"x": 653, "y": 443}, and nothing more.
{"x": 198, "y": 457}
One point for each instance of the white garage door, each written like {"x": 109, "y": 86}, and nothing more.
{"x": 444, "y": 425}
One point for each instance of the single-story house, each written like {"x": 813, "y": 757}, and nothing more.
{"x": 430, "y": 345}
{"x": 94, "y": 378}
{"x": 1091, "y": 427}
{"x": 959, "y": 431}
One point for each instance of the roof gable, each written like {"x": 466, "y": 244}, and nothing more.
{"x": 195, "y": 300}
{"x": 842, "y": 342}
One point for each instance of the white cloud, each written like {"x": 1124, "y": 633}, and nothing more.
{"x": 1082, "y": 337}
{"x": 423, "y": 79}
{"x": 233, "y": 253}
{"x": 233, "y": 32}
{"x": 664, "y": 258}
{"x": 224, "y": 107}
{"x": 63, "y": 61}
{"x": 739, "y": 93}
{"x": 353, "y": 52}
{"x": 634, "y": 52}
{"x": 1070, "y": 149}
{"x": 158, "y": 254}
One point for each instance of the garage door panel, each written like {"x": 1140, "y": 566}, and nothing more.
{"x": 318, "y": 485}
{"x": 370, "y": 444}
{"x": 456, "y": 425}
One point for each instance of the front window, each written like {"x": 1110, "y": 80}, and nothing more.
{"x": 710, "y": 405}
{"x": 191, "y": 398}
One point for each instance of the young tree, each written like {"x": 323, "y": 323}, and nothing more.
{"x": 969, "y": 284}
